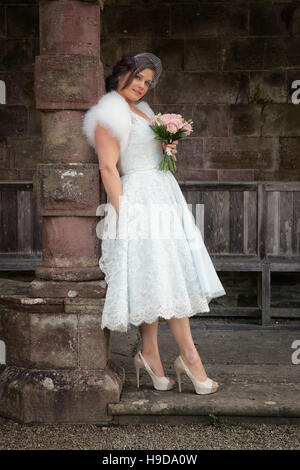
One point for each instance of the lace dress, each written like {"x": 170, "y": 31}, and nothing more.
{"x": 152, "y": 255}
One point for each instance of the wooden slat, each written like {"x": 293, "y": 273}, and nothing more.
{"x": 24, "y": 221}
{"x": 250, "y": 222}
{"x": 296, "y": 223}
{"x": 236, "y": 243}
{"x": 9, "y": 221}
{"x": 273, "y": 218}
{"x": 285, "y": 222}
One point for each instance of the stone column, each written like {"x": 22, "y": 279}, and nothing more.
{"x": 58, "y": 357}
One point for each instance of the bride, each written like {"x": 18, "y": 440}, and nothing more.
{"x": 146, "y": 279}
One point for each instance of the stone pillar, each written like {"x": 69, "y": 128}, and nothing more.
{"x": 58, "y": 358}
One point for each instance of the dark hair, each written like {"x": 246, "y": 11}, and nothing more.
{"x": 122, "y": 67}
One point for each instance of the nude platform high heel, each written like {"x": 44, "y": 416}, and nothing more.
{"x": 159, "y": 383}
{"x": 201, "y": 388}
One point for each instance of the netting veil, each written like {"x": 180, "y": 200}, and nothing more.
{"x": 143, "y": 59}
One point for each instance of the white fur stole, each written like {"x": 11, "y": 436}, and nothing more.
{"x": 112, "y": 112}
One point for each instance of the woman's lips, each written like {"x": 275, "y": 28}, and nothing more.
{"x": 137, "y": 92}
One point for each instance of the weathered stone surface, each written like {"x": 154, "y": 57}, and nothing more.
{"x": 54, "y": 343}
{"x": 245, "y": 119}
{"x": 22, "y": 20}
{"x": 281, "y": 119}
{"x": 62, "y": 249}
{"x": 198, "y": 87}
{"x": 267, "y": 19}
{"x": 90, "y": 289}
{"x": 290, "y": 152}
{"x": 84, "y": 306}
{"x": 94, "y": 344}
{"x": 65, "y": 189}
{"x": 19, "y": 87}
{"x": 211, "y": 120}
{"x": 61, "y": 396}
{"x": 211, "y": 19}
{"x": 77, "y": 273}
{"x": 241, "y": 152}
{"x": 267, "y": 86}
{"x": 190, "y": 153}
{"x": 25, "y": 152}
{"x": 64, "y": 139}
{"x": 122, "y": 20}
{"x": 66, "y": 81}
{"x": 201, "y": 54}
{"x": 13, "y": 121}
{"x": 236, "y": 175}
{"x": 70, "y": 28}
{"x": 196, "y": 174}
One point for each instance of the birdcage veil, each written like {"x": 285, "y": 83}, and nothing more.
{"x": 143, "y": 59}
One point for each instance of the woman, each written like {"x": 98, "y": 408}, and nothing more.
{"x": 147, "y": 277}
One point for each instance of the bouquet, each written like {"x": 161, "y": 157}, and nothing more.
{"x": 170, "y": 127}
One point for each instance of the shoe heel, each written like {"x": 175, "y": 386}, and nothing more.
{"x": 179, "y": 371}
{"x": 137, "y": 370}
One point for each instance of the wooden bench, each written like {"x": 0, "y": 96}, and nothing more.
{"x": 237, "y": 233}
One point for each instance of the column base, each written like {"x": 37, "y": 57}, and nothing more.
{"x": 60, "y": 396}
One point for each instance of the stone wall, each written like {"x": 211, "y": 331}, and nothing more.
{"x": 228, "y": 65}
{"x": 20, "y": 130}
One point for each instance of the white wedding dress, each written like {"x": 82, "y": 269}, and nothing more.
{"x": 151, "y": 269}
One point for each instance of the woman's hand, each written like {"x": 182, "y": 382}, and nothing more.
{"x": 171, "y": 146}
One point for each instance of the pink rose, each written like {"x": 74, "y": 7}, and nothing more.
{"x": 188, "y": 128}
{"x": 171, "y": 127}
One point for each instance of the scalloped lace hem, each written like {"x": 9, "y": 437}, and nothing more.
{"x": 166, "y": 313}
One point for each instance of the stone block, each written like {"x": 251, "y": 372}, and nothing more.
{"x": 84, "y": 305}
{"x": 94, "y": 344}
{"x": 243, "y": 54}
{"x": 16, "y": 55}
{"x": 65, "y": 189}
{"x": 289, "y": 153}
{"x": 236, "y": 175}
{"x": 201, "y": 54}
{"x": 241, "y": 153}
{"x": 245, "y": 119}
{"x": 211, "y": 120}
{"x": 267, "y": 19}
{"x": 70, "y": 28}
{"x": 54, "y": 341}
{"x": 121, "y": 20}
{"x": 296, "y": 20}
{"x": 61, "y": 396}
{"x": 68, "y": 81}
{"x": 4, "y": 157}
{"x": 195, "y": 174}
{"x": 281, "y": 119}
{"x": 69, "y": 289}
{"x": 198, "y": 87}
{"x": 13, "y": 121}
{"x": 63, "y": 139}
{"x": 19, "y": 87}
{"x": 209, "y": 19}
{"x": 34, "y": 121}
{"x": 267, "y": 86}
{"x": 16, "y": 335}
{"x": 190, "y": 153}
{"x": 61, "y": 248}
{"x": 22, "y": 21}
{"x": 26, "y": 151}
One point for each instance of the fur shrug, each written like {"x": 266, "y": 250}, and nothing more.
{"x": 112, "y": 112}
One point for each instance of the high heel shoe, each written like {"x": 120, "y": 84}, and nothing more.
{"x": 159, "y": 383}
{"x": 202, "y": 388}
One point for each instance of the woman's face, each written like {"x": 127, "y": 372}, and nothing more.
{"x": 138, "y": 87}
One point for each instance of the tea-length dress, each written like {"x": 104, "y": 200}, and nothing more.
{"x": 151, "y": 269}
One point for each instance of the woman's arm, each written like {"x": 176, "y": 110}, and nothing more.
{"x": 108, "y": 150}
